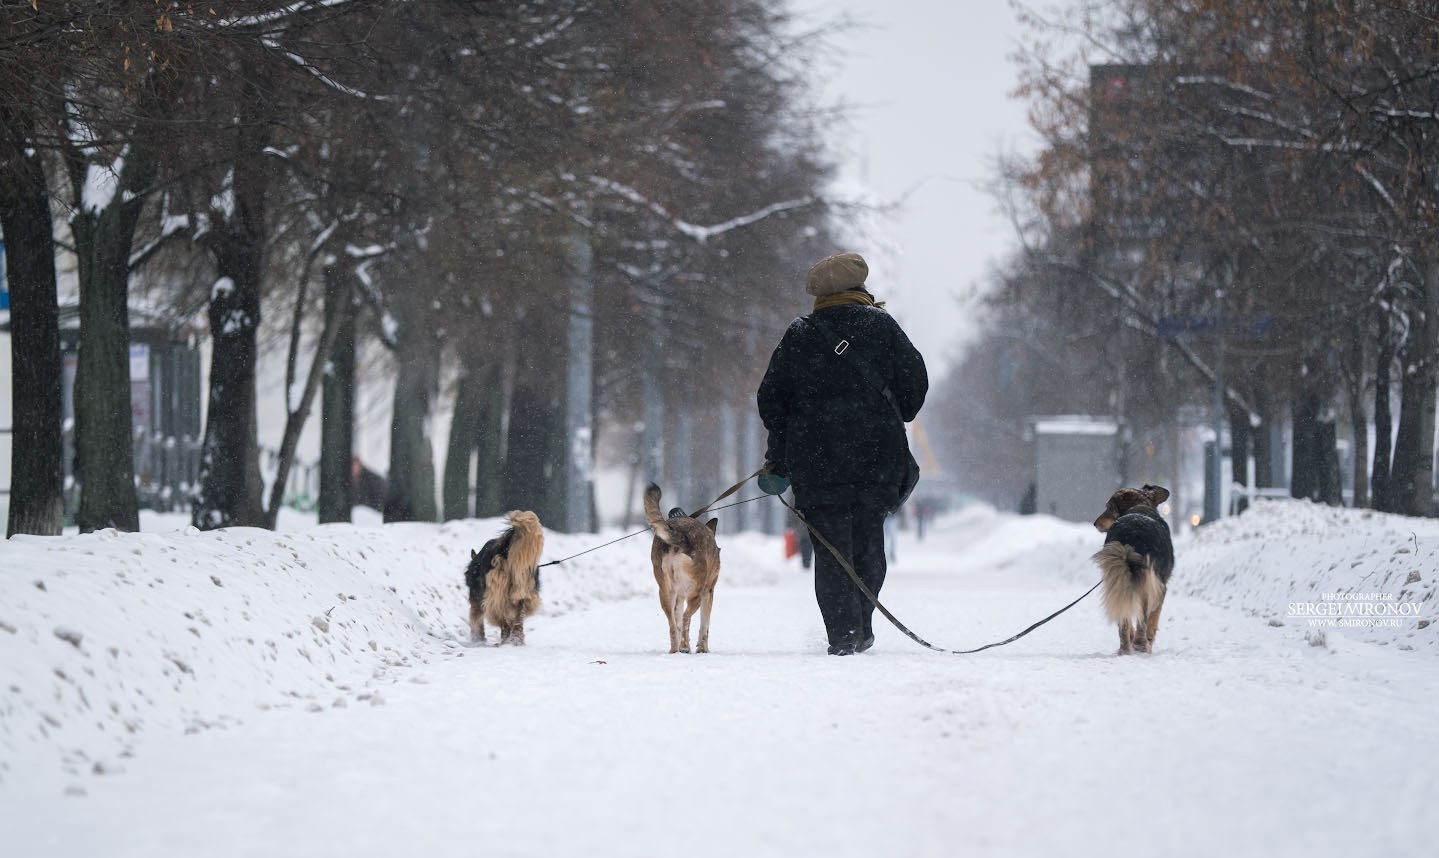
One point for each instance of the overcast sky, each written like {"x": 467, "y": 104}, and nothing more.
{"x": 931, "y": 81}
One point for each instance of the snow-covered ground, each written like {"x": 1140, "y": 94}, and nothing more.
{"x": 309, "y": 692}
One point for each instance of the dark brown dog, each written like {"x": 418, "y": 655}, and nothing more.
{"x": 1136, "y": 561}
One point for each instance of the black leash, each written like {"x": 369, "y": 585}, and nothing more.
{"x": 727, "y": 492}
{"x": 710, "y": 508}
{"x": 874, "y": 600}
{"x": 853, "y": 576}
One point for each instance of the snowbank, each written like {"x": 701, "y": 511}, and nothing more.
{"x": 1326, "y": 570}
{"x": 106, "y": 636}
{"x": 1328, "y": 573}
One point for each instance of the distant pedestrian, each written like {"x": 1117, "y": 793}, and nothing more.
{"x": 838, "y": 439}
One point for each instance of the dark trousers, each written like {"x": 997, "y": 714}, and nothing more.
{"x": 857, "y": 532}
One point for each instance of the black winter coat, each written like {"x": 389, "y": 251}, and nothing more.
{"x": 830, "y": 431}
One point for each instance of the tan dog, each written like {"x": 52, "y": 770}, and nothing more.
{"x": 504, "y": 579}
{"x": 1136, "y": 562}
{"x": 686, "y": 561}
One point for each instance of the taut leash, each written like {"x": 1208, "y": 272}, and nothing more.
{"x": 727, "y": 492}
{"x": 874, "y": 600}
{"x": 844, "y": 564}
{"x": 731, "y": 490}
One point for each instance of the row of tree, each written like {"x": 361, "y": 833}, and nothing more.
{"x": 433, "y": 176}
{"x": 1234, "y": 205}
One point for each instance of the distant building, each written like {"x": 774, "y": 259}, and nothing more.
{"x": 165, "y": 408}
{"x": 1077, "y": 465}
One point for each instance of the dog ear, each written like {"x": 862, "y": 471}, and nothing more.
{"x": 713, "y": 525}
{"x": 474, "y": 554}
{"x": 1157, "y": 494}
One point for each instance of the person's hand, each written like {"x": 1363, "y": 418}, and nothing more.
{"x": 772, "y": 481}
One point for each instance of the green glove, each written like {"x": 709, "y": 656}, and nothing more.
{"x": 773, "y": 484}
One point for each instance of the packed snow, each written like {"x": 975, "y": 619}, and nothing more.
{"x": 312, "y": 692}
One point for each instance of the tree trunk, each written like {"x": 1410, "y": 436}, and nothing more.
{"x": 1358, "y": 416}
{"x": 1262, "y": 443}
{"x": 1241, "y": 440}
{"x": 230, "y": 482}
{"x": 336, "y": 308}
{"x": 337, "y": 406}
{"x": 535, "y": 461}
{"x": 37, "y": 453}
{"x": 410, "y": 495}
{"x": 1413, "y": 472}
{"x": 104, "y": 451}
{"x": 471, "y": 403}
{"x": 492, "y": 439}
{"x": 1316, "y": 457}
{"x": 1359, "y": 428}
{"x": 1380, "y": 493}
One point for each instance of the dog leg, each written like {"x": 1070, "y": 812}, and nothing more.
{"x": 1141, "y": 637}
{"x": 667, "y": 600}
{"x": 477, "y": 622}
{"x": 707, "y": 602}
{"x": 679, "y": 627}
{"x": 691, "y": 606}
{"x": 671, "y": 609}
{"x": 518, "y": 635}
{"x": 669, "y": 620}
{"x": 1152, "y": 625}
{"x": 1126, "y": 637}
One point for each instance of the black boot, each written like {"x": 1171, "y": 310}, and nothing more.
{"x": 844, "y": 643}
{"x": 866, "y": 631}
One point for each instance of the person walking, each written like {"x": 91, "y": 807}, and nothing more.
{"x": 839, "y": 387}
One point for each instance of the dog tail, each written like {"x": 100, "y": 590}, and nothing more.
{"x": 1131, "y": 587}
{"x": 652, "y": 515}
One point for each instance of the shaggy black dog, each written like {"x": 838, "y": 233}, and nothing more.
{"x": 504, "y": 579}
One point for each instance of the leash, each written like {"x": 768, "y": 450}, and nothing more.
{"x": 731, "y": 490}
{"x": 874, "y": 600}
{"x": 844, "y": 564}
{"x": 727, "y": 492}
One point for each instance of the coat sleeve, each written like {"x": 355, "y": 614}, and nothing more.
{"x": 910, "y": 382}
{"x": 773, "y": 400}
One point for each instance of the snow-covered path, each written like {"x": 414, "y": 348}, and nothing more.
{"x": 1236, "y": 738}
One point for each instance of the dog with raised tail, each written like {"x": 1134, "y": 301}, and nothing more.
{"x": 686, "y": 561}
{"x": 1135, "y": 562}
{"x": 504, "y": 579}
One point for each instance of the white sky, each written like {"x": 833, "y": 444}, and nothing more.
{"x": 931, "y": 81}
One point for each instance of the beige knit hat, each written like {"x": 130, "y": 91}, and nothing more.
{"x": 836, "y": 273}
